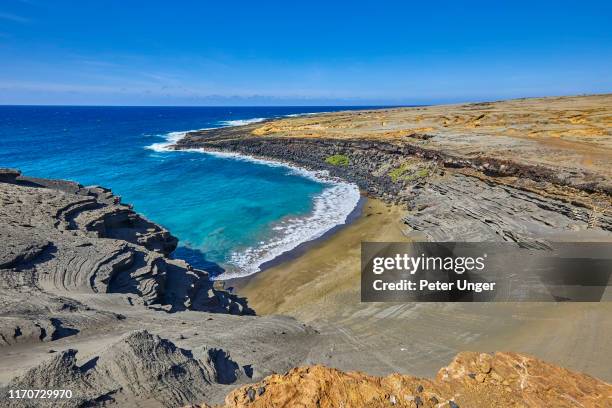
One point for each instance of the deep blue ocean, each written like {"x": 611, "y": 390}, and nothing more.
{"x": 229, "y": 214}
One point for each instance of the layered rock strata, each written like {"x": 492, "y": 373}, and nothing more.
{"x": 63, "y": 242}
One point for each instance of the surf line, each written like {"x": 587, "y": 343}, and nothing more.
{"x": 331, "y": 209}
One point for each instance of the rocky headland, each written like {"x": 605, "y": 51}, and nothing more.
{"x": 541, "y": 160}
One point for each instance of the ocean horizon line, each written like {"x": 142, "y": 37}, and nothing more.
{"x": 217, "y": 106}
{"x": 412, "y": 104}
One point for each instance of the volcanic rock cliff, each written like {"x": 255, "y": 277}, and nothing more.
{"x": 62, "y": 238}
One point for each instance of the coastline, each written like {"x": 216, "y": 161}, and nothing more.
{"x": 250, "y": 141}
{"x": 459, "y": 198}
{"x": 300, "y": 251}
{"x": 340, "y": 202}
{"x": 363, "y": 223}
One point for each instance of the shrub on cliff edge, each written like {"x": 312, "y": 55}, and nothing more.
{"x": 338, "y": 160}
{"x": 408, "y": 171}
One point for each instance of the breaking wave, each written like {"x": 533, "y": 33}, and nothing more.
{"x": 330, "y": 208}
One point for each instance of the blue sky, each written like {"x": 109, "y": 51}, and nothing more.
{"x": 300, "y": 53}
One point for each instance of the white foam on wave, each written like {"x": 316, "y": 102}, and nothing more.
{"x": 170, "y": 139}
{"x": 241, "y": 122}
{"x": 331, "y": 208}
{"x": 173, "y": 137}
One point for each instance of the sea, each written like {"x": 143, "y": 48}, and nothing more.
{"x": 232, "y": 214}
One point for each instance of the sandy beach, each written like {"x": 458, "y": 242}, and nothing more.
{"x": 327, "y": 275}
{"x": 322, "y": 287}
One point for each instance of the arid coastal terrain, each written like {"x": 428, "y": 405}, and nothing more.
{"x": 92, "y": 300}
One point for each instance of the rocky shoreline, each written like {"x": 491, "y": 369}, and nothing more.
{"x": 432, "y": 184}
{"x": 367, "y": 156}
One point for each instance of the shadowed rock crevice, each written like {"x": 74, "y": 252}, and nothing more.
{"x": 227, "y": 370}
{"x": 61, "y": 331}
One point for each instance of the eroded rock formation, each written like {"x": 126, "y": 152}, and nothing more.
{"x": 63, "y": 243}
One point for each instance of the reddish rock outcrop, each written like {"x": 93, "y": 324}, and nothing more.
{"x": 470, "y": 380}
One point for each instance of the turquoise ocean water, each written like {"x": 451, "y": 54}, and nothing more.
{"x": 230, "y": 214}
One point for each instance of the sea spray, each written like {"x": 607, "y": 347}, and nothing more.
{"x": 170, "y": 139}
{"x": 241, "y": 122}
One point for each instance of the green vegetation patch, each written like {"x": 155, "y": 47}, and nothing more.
{"x": 338, "y": 160}
{"x": 407, "y": 171}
